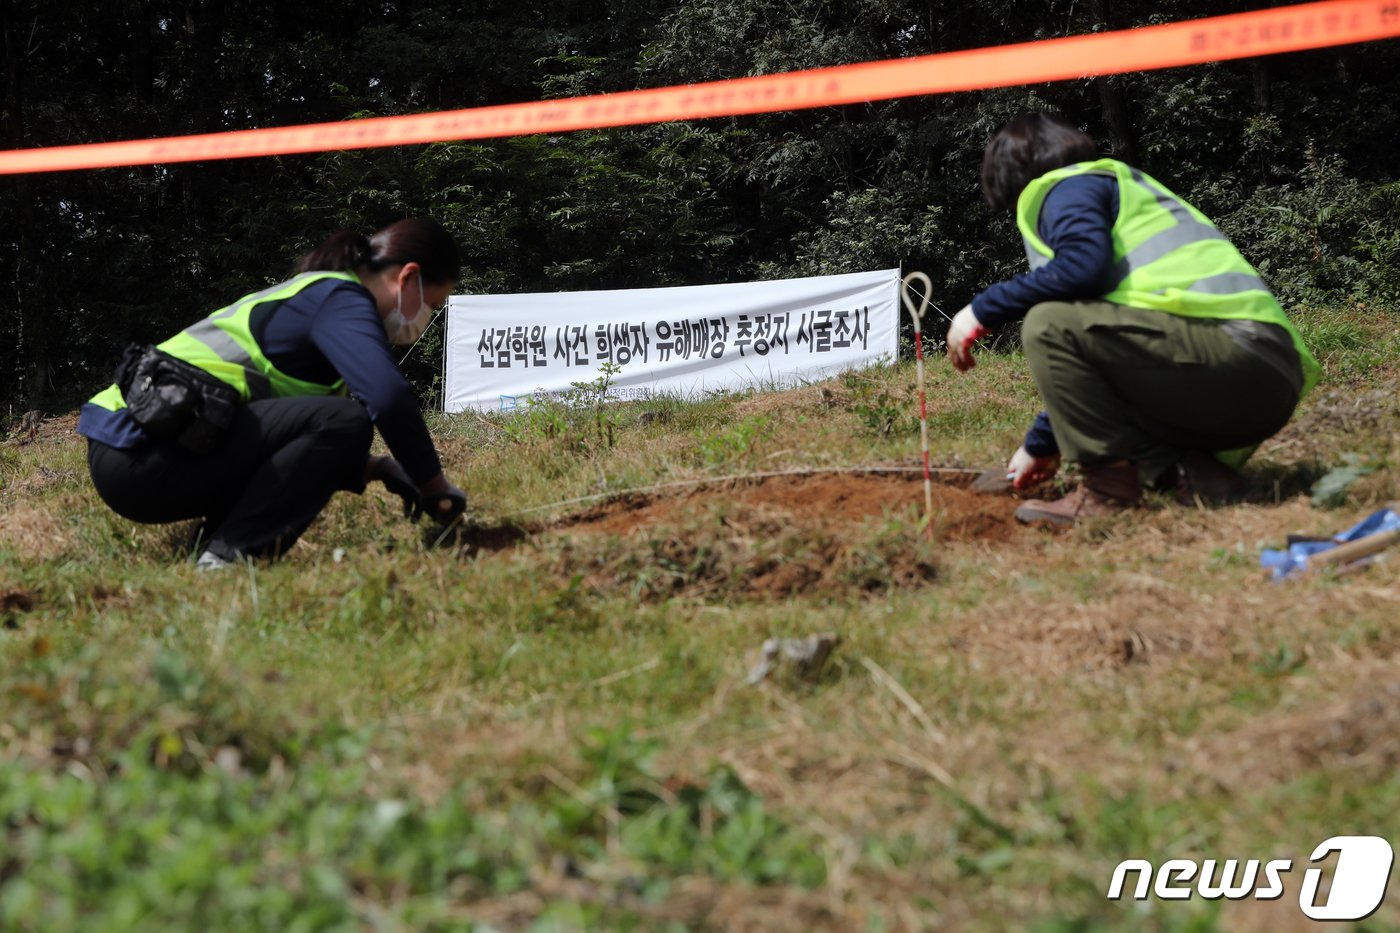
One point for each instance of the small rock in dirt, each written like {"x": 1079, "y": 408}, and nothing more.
{"x": 229, "y": 760}
{"x": 804, "y": 656}
{"x": 29, "y": 425}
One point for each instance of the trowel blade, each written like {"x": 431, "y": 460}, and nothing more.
{"x": 992, "y": 482}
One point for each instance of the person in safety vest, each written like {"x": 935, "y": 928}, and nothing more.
{"x": 1160, "y": 355}
{"x": 251, "y": 418}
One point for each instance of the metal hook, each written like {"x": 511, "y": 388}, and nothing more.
{"x": 906, "y": 291}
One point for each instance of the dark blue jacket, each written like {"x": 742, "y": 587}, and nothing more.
{"x": 1076, "y": 220}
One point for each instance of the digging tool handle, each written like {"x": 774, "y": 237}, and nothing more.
{"x": 1355, "y": 550}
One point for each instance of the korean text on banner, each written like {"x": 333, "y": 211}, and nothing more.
{"x": 503, "y": 350}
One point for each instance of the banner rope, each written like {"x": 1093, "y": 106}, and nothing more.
{"x": 1191, "y": 42}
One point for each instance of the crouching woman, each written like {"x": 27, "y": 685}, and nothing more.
{"x": 251, "y": 418}
{"x": 1160, "y": 355}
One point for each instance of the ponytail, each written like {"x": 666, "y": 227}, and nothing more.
{"x": 341, "y": 252}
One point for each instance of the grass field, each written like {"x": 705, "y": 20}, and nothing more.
{"x": 547, "y": 724}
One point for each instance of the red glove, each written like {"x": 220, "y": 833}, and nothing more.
{"x": 1026, "y": 470}
{"x": 962, "y": 334}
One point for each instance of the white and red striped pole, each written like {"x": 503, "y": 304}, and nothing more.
{"x": 917, "y": 313}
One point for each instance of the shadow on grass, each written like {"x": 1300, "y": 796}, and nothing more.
{"x": 1279, "y": 482}
{"x": 472, "y": 538}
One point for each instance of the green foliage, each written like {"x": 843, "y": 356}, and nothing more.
{"x": 1325, "y": 238}
{"x": 292, "y": 851}
{"x": 399, "y": 739}
{"x": 319, "y": 847}
{"x": 1330, "y": 491}
{"x": 179, "y": 714}
{"x": 559, "y": 734}
{"x": 722, "y": 829}
{"x": 717, "y": 827}
{"x": 883, "y": 411}
{"x": 1288, "y": 154}
{"x": 733, "y": 444}
{"x": 592, "y": 397}
{"x": 1279, "y": 662}
{"x": 581, "y": 419}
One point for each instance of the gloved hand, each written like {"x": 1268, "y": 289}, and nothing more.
{"x": 962, "y": 334}
{"x": 395, "y": 479}
{"x": 444, "y": 505}
{"x": 1025, "y": 470}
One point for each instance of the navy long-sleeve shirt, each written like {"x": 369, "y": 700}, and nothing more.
{"x": 1076, "y": 220}
{"x": 329, "y": 330}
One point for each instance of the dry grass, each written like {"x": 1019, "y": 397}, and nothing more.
{"x": 988, "y": 741}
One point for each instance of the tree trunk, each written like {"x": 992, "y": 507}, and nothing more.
{"x": 142, "y": 35}
{"x": 205, "y": 25}
{"x": 1115, "y": 115}
{"x": 14, "y": 47}
{"x": 14, "y": 44}
{"x": 1112, "y": 101}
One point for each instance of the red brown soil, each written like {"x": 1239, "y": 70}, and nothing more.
{"x": 774, "y": 536}
{"x": 824, "y": 500}
{"x": 763, "y": 537}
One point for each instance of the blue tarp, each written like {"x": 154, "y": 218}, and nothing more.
{"x": 1296, "y": 557}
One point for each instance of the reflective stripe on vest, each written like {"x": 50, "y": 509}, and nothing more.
{"x": 223, "y": 346}
{"x": 1167, "y": 256}
{"x": 1187, "y": 230}
{"x": 229, "y": 350}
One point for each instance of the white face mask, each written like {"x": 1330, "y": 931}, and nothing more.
{"x": 403, "y": 331}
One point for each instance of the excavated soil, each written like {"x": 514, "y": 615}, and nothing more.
{"x": 764, "y": 538}
{"x": 826, "y": 501}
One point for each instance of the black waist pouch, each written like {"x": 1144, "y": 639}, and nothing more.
{"x": 173, "y": 400}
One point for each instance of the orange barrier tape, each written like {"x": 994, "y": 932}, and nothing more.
{"x": 1264, "y": 32}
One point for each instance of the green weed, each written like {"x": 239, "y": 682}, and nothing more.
{"x": 883, "y": 409}
{"x": 554, "y": 729}
{"x": 581, "y": 419}
{"x": 724, "y": 449}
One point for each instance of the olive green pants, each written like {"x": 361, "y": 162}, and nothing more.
{"x": 1147, "y": 386}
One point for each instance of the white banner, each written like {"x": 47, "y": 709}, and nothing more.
{"x": 503, "y": 349}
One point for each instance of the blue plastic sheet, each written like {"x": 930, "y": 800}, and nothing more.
{"x": 1295, "y": 558}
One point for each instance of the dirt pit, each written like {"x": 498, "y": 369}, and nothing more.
{"x": 769, "y": 537}
{"x": 832, "y": 501}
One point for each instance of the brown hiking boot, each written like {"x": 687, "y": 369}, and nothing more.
{"x": 1107, "y": 488}
{"x": 1202, "y": 478}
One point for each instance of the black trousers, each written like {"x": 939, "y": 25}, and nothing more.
{"x": 267, "y": 479}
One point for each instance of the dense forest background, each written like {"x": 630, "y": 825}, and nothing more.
{"x": 1293, "y": 155}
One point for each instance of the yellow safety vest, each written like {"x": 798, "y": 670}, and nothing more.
{"x": 223, "y": 346}
{"x": 1167, "y": 256}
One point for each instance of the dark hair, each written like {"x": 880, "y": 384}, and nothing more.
{"x": 1025, "y": 148}
{"x": 413, "y": 239}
